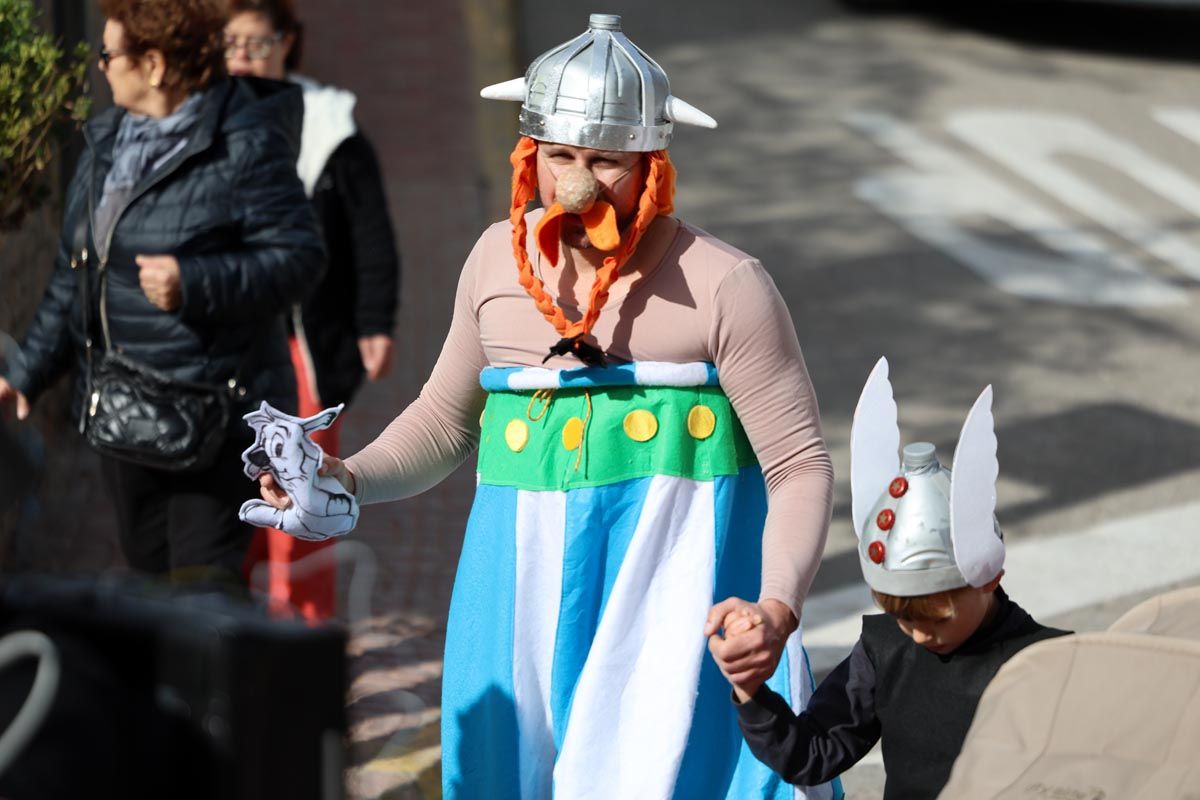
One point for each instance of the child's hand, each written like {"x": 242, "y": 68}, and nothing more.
{"x": 736, "y": 623}
{"x": 740, "y": 621}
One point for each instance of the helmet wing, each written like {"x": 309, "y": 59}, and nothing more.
{"x": 874, "y": 444}
{"x": 978, "y": 549}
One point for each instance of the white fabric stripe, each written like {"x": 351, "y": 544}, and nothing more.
{"x": 533, "y": 378}
{"x": 663, "y": 373}
{"x": 641, "y": 373}
{"x": 800, "y": 685}
{"x": 797, "y": 690}
{"x": 633, "y": 705}
{"x": 541, "y": 520}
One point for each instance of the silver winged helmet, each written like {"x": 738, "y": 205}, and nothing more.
{"x": 923, "y": 528}
{"x": 598, "y": 90}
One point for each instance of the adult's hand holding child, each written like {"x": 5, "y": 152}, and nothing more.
{"x": 747, "y": 640}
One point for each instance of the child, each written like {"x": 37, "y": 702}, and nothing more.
{"x": 932, "y": 554}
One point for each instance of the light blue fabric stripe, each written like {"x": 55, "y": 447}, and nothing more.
{"x": 600, "y": 524}
{"x": 619, "y": 375}
{"x": 480, "y": 749}
{"x": 506, "y": 379}
{"x": 712, "y": 764}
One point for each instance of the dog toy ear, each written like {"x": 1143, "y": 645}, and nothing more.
{"x": 257, "y": 419}
{"x": 874, "y": 444}
{"x": 321, "y": 421}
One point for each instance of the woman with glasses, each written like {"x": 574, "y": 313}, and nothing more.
{"x": 185, "y": 237}
{"x": 342, "y": 331}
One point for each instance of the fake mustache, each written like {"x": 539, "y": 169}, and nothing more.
{"x": 600, "y": 222}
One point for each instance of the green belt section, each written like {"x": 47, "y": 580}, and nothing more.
{"x": 552, "y": 441}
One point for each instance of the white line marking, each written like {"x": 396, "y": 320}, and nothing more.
{"x": 941, "y": 201}
{"x": 1032, "y": 145}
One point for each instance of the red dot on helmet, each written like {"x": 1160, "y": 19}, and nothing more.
{"x": 876, "y": 551}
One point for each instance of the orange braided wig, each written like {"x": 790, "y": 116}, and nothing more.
{"x": 657, "y": 198}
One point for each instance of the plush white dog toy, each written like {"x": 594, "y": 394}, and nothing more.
{"x": 320, "y": 507}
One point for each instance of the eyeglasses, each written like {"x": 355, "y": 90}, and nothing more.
{"x": 256, "y": 47}
{"x": 106, "y": 55}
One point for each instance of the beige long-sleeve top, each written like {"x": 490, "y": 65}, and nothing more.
{"x": 685, "y": 296}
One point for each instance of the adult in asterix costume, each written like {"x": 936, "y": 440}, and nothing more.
{"x": 621, "y": 486}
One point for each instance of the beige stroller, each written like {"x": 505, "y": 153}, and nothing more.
{"x": 1095, "y": 716}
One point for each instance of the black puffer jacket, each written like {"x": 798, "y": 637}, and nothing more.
{"x": 359, "y": 293}
{"x": 231, "y": 209}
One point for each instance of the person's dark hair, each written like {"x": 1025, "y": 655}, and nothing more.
{"x": 282, "y": 14}
{"x": 190, "y": 34}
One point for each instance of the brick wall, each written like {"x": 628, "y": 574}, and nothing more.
{"x": 417, "y": 69}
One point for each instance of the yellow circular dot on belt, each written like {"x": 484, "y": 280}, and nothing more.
{"x": 701, "y": 422}
{"x": 516, "y": 434}
{"x": 640, "y": 425}
{"x": 572, "y": 435}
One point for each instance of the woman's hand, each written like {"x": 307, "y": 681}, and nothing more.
{"x": 747, "y": 657}
{"x": 376, "y": 354}
{"x": 159, "y": 277}
{"x": 10, "y": 396}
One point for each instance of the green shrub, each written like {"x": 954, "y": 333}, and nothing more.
{"x": 42, "y": 93}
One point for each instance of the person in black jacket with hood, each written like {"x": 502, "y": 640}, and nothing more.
{"x": 197, "y": 221}
{"x": 342, "y": 332}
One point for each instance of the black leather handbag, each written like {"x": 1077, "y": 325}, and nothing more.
{"x": 139, "y": 414}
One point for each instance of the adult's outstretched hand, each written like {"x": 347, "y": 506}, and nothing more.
{"x": 275, "y": 495}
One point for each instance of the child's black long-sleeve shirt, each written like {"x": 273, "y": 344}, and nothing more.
{"x": 889, "y": 687}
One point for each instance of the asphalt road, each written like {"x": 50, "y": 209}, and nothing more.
{"x": 1004, "y": 196}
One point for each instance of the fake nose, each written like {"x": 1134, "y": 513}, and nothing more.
{"x": 259, "y": 458}
{"x": 576, "y": 190}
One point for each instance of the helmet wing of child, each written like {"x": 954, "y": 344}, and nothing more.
{"x": 874, "y": 444}
{"x": 978, "y": 543}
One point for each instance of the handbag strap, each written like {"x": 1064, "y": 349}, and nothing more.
{"x": 79, "y": 262}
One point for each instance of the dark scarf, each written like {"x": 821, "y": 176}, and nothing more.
{"x": 142, "y": 143}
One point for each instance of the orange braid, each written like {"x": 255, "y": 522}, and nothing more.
{"x": 657, "y": 198}
{"x": 524, "y": 182}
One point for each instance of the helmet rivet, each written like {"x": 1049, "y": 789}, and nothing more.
{"x": 876, "y": 551}
{"x": 898, "y": 487}
{"x": 886, "y": 519}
